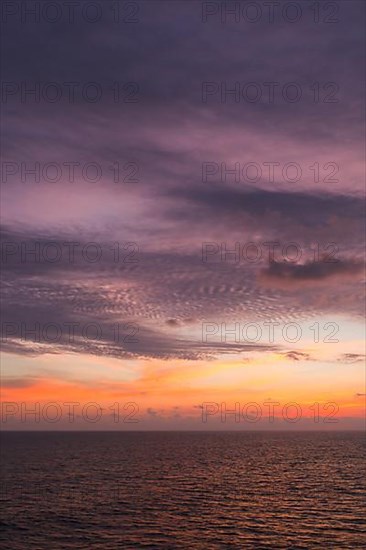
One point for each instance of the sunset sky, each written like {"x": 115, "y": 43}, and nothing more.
{"x": 169, "y": 127}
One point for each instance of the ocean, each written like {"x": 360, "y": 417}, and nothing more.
{"x": 185, "y": 490}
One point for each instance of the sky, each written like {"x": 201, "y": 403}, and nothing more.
{"x": 183, "y": 216}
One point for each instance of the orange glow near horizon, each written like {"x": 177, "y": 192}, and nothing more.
{"x": 170, "y": 386}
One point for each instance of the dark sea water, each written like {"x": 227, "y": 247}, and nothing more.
{"x": 195, "y": 491}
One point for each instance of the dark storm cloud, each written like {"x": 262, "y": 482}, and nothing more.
{"x": 229, "y": 215}
{"x": 305, "y": 208}
{"x": 296, "y": 274}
